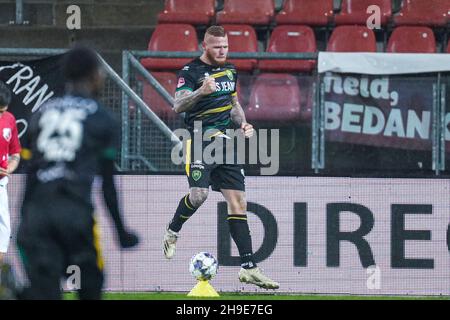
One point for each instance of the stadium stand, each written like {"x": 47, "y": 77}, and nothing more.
{"x": 156, "y": 102}
{"x": 433, "y": 13}
{"x": 185, "y": 11}
{"x": 242, "y": 38}
{"x": 352, "y": 39}
{"x": 355, "y": 11}
{"x": 307, "y": 12}
{"x": 274, "y": 97}
{"x": 448, "y": 47}
{"x": 412, "y": 40}
{"x": 290, "y": 38}
{"x": 246, "y": 12}
{"x": 171, "y": 37}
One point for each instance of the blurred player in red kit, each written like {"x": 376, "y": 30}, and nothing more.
{"x": 9, "y": 161}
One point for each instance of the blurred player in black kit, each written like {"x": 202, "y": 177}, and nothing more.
{"x": 70, "y": 140}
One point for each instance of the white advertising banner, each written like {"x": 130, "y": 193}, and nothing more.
{"x": 383, "y": 63}
{"x": 312, "y": 235}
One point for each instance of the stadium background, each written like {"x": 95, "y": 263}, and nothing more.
{"x": 388, "y": 170}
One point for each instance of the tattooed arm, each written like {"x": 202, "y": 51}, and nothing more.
{"x": 185, "y": 99}
{"x": 238, "y": 117}
{"x": 13, "y": 162}
{"x": 237, "y": 113}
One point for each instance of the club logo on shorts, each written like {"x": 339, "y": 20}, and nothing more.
{"x": 181, "y": 82}
{"x": 7, "y": 134}
{"x": 196, "y": 175}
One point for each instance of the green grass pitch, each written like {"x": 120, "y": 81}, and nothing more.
{"x": 237, "y": 296}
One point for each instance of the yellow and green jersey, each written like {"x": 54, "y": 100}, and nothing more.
{"x": 212, "y": 110}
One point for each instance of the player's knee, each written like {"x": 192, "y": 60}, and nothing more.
{"x": 238, "y": 205}
{"x": 197, "y": 196}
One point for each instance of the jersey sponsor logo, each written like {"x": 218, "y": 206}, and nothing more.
{"x": 225, "y": 86}
{"x": 7, "y": 134}
{"x": 186, "y": 68}
{"x": 181, "y": 82}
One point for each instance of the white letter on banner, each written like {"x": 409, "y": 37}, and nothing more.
{"x": 74, "y": 20}
{"x": 379, "y": 88}
{"x": 351, "y": 86}
{"x": 395, "y": 124}
{"x": 30, "y": 87}
{"x": 332, "y": 112}
{"x": 19, "y": 76}
{"x": 414, "y": 124}
{"x": 371, "y": 113}
{"x": 329, "y": 79}
{"x": 364, "y": 86}
{"x": 350, "y": 120}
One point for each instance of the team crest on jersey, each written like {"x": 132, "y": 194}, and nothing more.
{"x": 7, "y": 134}
{"x": 181, "y": 82}
{"x": 230, "y": 75}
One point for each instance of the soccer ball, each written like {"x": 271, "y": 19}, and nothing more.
{"x": 203, "y": 266}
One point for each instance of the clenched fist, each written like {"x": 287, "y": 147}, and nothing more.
{"x": 247, "y": 129}
{"x": 209, "y": 86}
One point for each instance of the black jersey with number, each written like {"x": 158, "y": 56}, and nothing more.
{"x": 67, "y": 140}
{"x": 212, "y": 110}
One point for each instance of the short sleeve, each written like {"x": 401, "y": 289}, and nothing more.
{"x": 186, "y": 80}
{"x": 14, "y": 143}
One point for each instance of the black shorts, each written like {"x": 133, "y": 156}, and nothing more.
{"x": 53, "y": 235}
{"x": 217, "y": 175}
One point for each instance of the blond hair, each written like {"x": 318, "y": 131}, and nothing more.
{"x": 216, "y": 31}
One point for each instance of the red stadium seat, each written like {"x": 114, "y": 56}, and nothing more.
{"x": 290, "y": 39}
{"x": 412, "y": 40}
{"x": 154, "y": 100}
{"x": 423, "y": 12}
{"x": 308, "y": 12}
{"x": 352, "y": 39}
{"x": 355, "y": 11}
{"x": 171, "y": 37}
{"x": 251, "y": 12}
{"x": 188, "y": 11}
{"x": 274, "y": 97}
{"x": 242, "y": 38}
